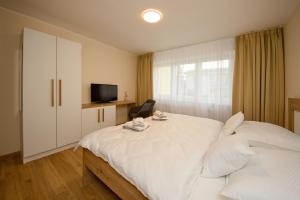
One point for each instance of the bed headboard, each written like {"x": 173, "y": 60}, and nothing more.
{"x": 294, "y": 115}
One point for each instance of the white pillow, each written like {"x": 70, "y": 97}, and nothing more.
{"x": 225, "y": 156}
{"x": 232, "y": 123}
{"x": 270, "y": 174}
{"x": 267, "y": 135}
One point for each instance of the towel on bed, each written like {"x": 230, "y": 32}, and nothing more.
{"x": 136, "y": 126}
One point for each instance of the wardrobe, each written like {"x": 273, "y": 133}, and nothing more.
{"x": 51, "y": 94}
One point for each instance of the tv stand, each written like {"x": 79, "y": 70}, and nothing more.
{"x": 100, "y": 115}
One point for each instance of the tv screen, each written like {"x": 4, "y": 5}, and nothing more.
{"x": 103, "y": 93}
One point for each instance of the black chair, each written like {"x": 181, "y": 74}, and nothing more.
{"x": 144, "y": 110}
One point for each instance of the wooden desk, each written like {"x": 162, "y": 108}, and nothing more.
{"x": 116, "y": 103}
{"x": 122, "y": 109}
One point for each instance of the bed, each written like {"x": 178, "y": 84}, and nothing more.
{"x": 162, "y": 162}
{"x": 162, "y": 150}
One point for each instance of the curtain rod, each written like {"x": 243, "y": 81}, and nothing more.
{"x": 222, "y": 38}
{"x": 265, "y": 29}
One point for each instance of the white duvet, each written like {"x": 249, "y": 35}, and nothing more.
{"x": 165, "y": 161}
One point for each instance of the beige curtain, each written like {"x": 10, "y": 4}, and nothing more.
{"x": 258, "y": 83}
{"x": 144, "y": 78}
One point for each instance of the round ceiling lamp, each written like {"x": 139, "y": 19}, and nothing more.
{"x": 152, "y": 15}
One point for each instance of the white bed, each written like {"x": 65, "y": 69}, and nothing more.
{"x": 165, "y": 161}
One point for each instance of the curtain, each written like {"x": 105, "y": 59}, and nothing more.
{"x": 258, "y": 88}
{"x": 144, "y": 78}
{"x": 195, "y": 80}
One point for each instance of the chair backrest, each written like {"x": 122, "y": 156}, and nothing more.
{"x": 148, "y": 106}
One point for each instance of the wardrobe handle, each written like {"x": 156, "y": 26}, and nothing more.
{"x": 52, "y": 92}
{"x": 103, "y": 115}
{"x": 98, "y": 115}
{"x": 59, "y": 92}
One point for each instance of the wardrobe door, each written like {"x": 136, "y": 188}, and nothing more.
{"x": 38, "y": 92}
{"x": 68, "y": 92}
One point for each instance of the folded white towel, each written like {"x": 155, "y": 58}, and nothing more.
{"x": 138, "y": 122}
{"x": 130, "y": 125}
{"x": 159, "y": 114}
{"x": 159, "y": 118}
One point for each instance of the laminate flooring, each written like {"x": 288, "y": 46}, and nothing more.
{"x": 58, "y": 176}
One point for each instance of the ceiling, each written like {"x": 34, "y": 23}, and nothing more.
{"x": 119, "y": 23}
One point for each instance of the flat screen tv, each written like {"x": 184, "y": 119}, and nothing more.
{"x": 101, "y": 93}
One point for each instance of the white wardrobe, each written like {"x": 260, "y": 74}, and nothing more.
{"x": 51, "y": 94}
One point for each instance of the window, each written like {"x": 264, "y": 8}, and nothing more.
{"x": 196, "y": 83}
{"x": 164, "y": 81}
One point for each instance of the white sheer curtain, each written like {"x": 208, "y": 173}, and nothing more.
{"x": 195, "y": 80}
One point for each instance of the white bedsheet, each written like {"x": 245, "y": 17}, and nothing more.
{"x": 208, "y": 189}
{"x": 164, "y": 162}
{"x": 271, "y": 174}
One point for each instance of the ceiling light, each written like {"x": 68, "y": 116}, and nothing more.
{"x": 152, "y": 15}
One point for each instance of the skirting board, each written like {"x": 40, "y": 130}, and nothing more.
{"x": 47, "y": 153}
{"x": 3, "y": 157}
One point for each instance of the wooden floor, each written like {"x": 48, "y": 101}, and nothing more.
{"x": 58, "y": 176}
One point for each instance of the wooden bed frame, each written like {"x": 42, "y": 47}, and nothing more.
{"x": 95, "y": 166}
